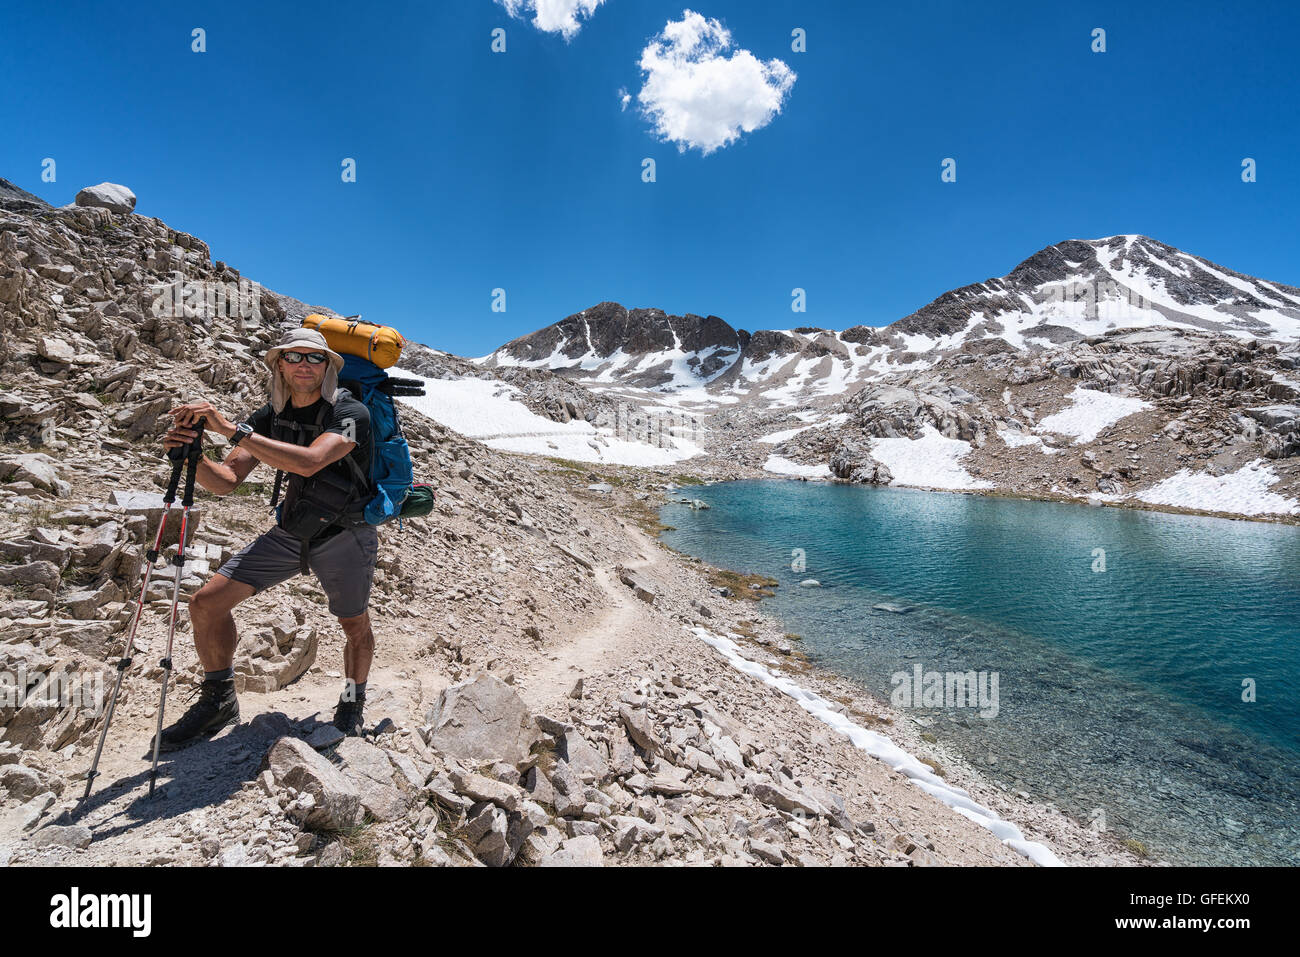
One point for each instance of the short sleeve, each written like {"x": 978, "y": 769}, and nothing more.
{"x": 350, "y": 419}
{"x": 261, "y": 420}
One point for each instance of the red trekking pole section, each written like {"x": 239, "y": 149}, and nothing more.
{"x": 187, "y": 457}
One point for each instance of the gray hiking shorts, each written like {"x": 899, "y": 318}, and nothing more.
{"x": 344, "y": 564}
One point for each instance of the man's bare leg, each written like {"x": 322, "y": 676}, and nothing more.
{"x": 359, "y": 650}
{"x": 215, "y": 636}
{"x": 214, "y": 640}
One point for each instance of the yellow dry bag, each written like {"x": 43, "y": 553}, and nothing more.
{"x": 382, "y": 345}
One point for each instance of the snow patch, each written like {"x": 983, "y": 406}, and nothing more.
{"x": 928, "y": 462}
{"x": 782, "y": 466}
{"x": 1090, "y": 413}
{"x": 1243, "y": 492}
{"x": 776, "y": 438}
{"x": 1017, "y": 440}
{"x": 492, "y": 412}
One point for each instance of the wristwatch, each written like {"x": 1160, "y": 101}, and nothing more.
{"x": 241, "y": 430}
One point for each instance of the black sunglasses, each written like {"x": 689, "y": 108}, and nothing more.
{"x": 293, "y": 358}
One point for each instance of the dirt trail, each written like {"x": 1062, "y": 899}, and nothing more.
{"x": 600, "y": 647}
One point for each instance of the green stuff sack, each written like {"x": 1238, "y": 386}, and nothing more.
{"x": 418, "y": 502}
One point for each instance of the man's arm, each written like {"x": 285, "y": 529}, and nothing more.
{"x": 298, "y": 459}
{"x": 222, "y": 478}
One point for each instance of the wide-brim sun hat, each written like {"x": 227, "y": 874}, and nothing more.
{"x": 301, "y": 338}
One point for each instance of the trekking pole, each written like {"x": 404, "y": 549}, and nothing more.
{"x": 192, "y": 454}
{"x": 178, "y": 456}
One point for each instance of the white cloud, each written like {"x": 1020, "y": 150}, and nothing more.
{"x": 553, "y": 16}
{"x": 699, "y": 98}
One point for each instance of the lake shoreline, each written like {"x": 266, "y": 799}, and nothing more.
{"x": 1122, "y": 692}
{"x": 1073, "y": 841}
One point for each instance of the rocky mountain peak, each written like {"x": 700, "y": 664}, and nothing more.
{"x": 608, "y": 334}
{"x": 1069, "y": 292}
{"x": 1079, "y": 287}
{"x": 608, "y": 327}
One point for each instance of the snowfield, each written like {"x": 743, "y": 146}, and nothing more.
{"x": 492, "y": 412}
{"x": 1091, "y": 413}
{"x": 782, "y": 466}
{"x": 1244, "y": 492}
{"x": 928, "y": 462}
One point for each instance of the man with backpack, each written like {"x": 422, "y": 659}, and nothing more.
{"x": 324, "y": 446}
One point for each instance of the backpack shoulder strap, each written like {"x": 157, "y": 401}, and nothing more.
{"x": 288, "y": 430}
{"x": 362, "y": 480}
{"x": 294, "y": 428}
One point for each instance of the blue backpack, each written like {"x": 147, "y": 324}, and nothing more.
{"x": 391, "y": 474}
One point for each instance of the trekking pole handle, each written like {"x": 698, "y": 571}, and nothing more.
{"x": 179, "y": 455}
{"x": 178, "y": 463}
{"x": 195, "y": 451}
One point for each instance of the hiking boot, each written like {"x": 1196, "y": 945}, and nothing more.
{"x": 347, "y": 716}
{"x": 216, "y": 708}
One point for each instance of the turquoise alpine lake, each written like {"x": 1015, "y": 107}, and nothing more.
{"x": 1137, "y": 670}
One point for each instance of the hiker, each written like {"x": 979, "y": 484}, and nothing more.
{"x": 305, "y": 399}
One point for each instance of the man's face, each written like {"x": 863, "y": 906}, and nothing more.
{"x": 303, "y": 376}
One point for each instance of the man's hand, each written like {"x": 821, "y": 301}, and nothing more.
{"x": 186, "y": 415}
{"x": 178, "y": 436}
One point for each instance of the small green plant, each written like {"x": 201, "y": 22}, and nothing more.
{"x": 43, "y": 514}
{"x": 545, "y": 759}
{"x": 929, "y": 737}
{"x": 584, "y": 471}
{"x": 644, "y": 517}
{"x": 738, "y": 583}
{"x": 795, "y": 664}
{"x": 1136, "y": 846}
{"x": 257, "y": 489}
{"x": 443, "y": 841}
{"x": 567, "y": 466}
{"x": 73, "y": 575}
{"x": 359, "y": 841}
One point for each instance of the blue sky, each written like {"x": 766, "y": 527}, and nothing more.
{"x": 522, "y": 170}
